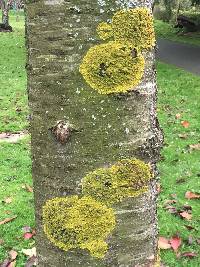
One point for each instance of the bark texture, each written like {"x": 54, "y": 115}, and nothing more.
{"x": 107, "y": 127}
{"x": 5, "y": 7}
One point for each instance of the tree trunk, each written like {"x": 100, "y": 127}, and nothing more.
{"x": 5, "y": 7}
{"x": 76, "y": 130}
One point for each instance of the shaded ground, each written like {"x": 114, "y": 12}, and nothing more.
{"x": 184, "y": 56}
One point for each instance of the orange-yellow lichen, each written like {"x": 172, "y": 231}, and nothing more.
{"x": 134, "y": 26}
{"x": 126, "y": 178}
{"x": 104, "y": 30}
{"x": 73, "y": 222}
{"x": 112, "y": 67}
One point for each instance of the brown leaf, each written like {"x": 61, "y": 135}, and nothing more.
{"x": 185, "y": 124}
{"x": 1, "y": 241}
{"x": 31, "y": 262}
{"x": 5, "y": 263}
{"x": 28, "y": 188}
{"x": 13, "y": 255}
{"x": 183, "y": 136}
{"x": 171, "y": 209}
{"x": 175, "y": 242}
{"x": 186, "y": 215}
{"x": 178, "y": 116}
{"x": 7, "y": 200}
{"x": 30, "y": 252}
{"x": 163, "y": 243}
{"x": 189, "y": 227}
{"x": 191, "y": 195}
{"x": 170, "y": 201}
{"x": 194, "y": 147}
{"x": 189, "y": 254}
{"x": 7, "y": 220}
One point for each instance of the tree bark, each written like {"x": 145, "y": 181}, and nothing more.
{"x": 108, "y": 128}
{"x": 5, "y": 7}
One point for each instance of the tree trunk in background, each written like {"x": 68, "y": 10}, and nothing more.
{"x": 108, "y": 127}
{"x": 5, "y": 7}
{"x": 168, "y": 7}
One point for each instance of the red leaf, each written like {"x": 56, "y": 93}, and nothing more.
{"x": 28, "y": 235}
{"x": 185, "y": 124}
{"x": 163, "y": 243}
{"x": 189, "y": 254}
{"x": 175, "y": 242}
{"x": 191, "y": 195}
{"x": 186, "y": 215}
{"x": 6, "y": 220}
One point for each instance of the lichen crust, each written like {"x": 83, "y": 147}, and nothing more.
{"x": 126, "y": 178}
{"x": 73, "y": 222}
{"x": 131, "y": 25}
{"x": 113, "y": 67}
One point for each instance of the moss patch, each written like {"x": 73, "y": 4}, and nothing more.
{"x": 112, "y": 67}
{"x": 126, "y": 178}
{"x": 74, "y": 222}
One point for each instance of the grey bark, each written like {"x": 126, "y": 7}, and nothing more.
{"x": 109, "y": 127}
{"x": 5, "y": 7}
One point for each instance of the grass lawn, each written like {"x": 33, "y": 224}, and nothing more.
{"x": 179, "y": 168}
{"x": 167, "y": 31}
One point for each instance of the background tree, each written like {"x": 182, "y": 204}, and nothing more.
{"x": 5, "y": 7}
{"x": 78, "y": 132}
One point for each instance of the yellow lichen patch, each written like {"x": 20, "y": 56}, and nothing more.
{"x": 104, "y": 30}
{"x": 73, "y": 222}
{"x": 126, "y": 178}
{"x": 112, "y": 67}
{"x": 134, "y": 26}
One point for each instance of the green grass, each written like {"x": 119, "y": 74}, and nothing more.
{"x": 167, "y": 31}
{"x": 13, "y": 99}
{"x": 178, "y": 93}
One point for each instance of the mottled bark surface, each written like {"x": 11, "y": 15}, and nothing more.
{"x": 108, "y": 127}
{"x": 5, "y": 7}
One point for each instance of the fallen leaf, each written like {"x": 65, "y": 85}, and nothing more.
{"x": 1, "y": 241}
{"x": 7, "y": 220}
{"x": 189, "y": 227}
{"x": 158, "y": 188}
{"x": 28, "y": 188}
{"x": 12, "y": 264}
{"x": 183, "y": 136}
{"x": 26, "y": 229}
{"x": 13, "y": 255}
{"x": 170, "y": 201}
{"x": 187, "y": 207}
{"x": 189, "y": 254}
{"x": 198, "y": 241}
{"x": 180, "y": 181}
{"x": 191, "y": 195}
{"x": 178, "y": 116}
{"x": 30, "y": 252}
{"x": 163, "y": 243}
{"x": 185, "y": 124}
{"x": 28, "y": 235}
{"x": 190, "y": 240}
{"x": 7, "y": 200}
{"x": 175, "y": 242}
{"x": 194, "y": 147}
{"x": 31, "y": 262}
{"x": 186, "y": 215}
{"x": 5, "y": 263}
{"x": 171, "y": 209}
